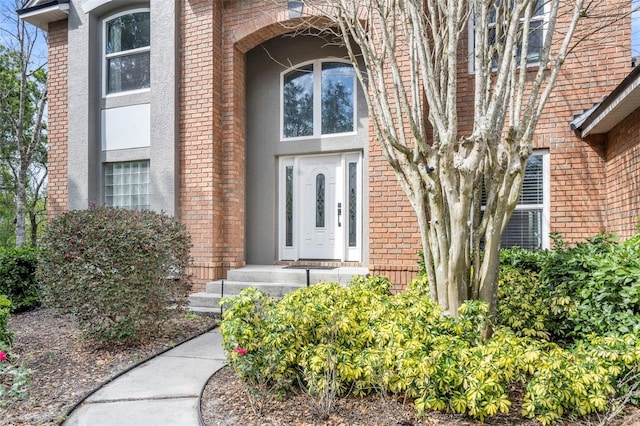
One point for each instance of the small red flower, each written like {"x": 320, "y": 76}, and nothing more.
{"x": 3, "y": 355}
{"x": 241, "y": 351}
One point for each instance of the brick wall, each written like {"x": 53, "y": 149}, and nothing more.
{"x": 623, "y": 176}
{"x": 578, "y": 184}
{"x": 200, "y": 206}
{"x": 57, "y": 118}
{"x": 214, "y": 39}
{"x": 578, "y": 181}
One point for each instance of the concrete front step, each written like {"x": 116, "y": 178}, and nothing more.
{"x": 233, "y": 288}
{"x": 275, "y": 281}
{"x": 298, "y": 275}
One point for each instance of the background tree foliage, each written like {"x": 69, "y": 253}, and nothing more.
{"x": 23, "y": 148}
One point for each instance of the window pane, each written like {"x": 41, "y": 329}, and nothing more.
{"x": 298, "y": 103}
{"x": 524, "y": 230}
{"x": 320, "y": 197}
{"x": 353, "y": 204}
{"x": 532, "y": 186}
{"x": 532, "y": 191}
{"x": 289, "y": 202}
{"x": 128, "y": 32}
{"x": 337, "y": 98}
{"x": 128, "y": 72}
{"x": 535, "y": 42}
{"x": 127, "y": 185}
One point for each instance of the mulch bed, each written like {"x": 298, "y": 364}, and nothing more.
{"x": 66, "y": 367}
{"x": 225, "y": 403}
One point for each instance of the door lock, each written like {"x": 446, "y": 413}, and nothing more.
{"x": 339, "y": 213}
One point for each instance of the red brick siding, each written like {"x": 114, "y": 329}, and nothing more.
{"x": 623, "y": 176}
{"x": 57, "y": 118}
{"x": 200, "y": 203}
{"x": 214, "y": 37}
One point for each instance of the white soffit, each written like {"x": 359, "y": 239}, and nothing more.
{"x": 41, "y": 16}
{"x": 623, "y": 104}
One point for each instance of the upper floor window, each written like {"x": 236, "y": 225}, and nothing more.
{"x": 497, "y": 32}
{"x": 318, "y": 99}
{"x": 127, "y": 41}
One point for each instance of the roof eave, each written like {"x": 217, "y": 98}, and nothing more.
{"x": 622, "y": 101}
{"x": 42, "y": 14}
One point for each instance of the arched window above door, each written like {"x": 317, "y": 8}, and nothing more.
{"x": 318, "y": 99}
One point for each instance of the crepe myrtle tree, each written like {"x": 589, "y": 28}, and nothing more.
{"x": 407, "y": 54}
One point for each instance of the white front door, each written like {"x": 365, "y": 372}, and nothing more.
{"x": 319, "y": 221}
{"x": 320, "y": 207}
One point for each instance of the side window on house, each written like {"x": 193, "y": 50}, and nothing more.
{"x": 528, "y": 225}
{"x": 497, "y": 31}
{"x": 318, "y": 99}
{"x": 126, "y": 185}
{"x": 127, "y": 41}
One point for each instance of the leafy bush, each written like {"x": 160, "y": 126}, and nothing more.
{"x": 18, "y": 276}
{"x": 595, "y": 287}
{"x": 359, "y": 339}
{"x": 523, "y": 303}
{"x": 522, "y": 260}
{"x": 120, "y": 273}
{"x": 6, "y": 337}
{"x": 14, "y": 378}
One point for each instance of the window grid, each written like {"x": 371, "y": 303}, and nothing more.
{"x": 127, "y": 47}
{"x": 318, "y": 99}
{"x": 126, "y": 185}
{"x": 536, "y": 36}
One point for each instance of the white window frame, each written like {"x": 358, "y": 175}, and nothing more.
{"x": 349, "y": 254}
{"x": 317, "y": 100}
{"x": 544, "y": 18}
{"x": 546, "y": 194}
{"x": 106, "y": 57}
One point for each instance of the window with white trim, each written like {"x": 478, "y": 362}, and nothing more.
{"x": 318, "y": 99}
{"x": 536, "y": 34}
{"x": 127, "y": 44}
{"x": 528, "y": 227}
{"x": 126, "y": 185}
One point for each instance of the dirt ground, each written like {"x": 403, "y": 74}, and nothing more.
{"x": 226, "y": 403}
{"x": 65, "y": 367}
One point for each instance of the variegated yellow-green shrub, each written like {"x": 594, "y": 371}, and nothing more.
{"x": 361, "y": 339}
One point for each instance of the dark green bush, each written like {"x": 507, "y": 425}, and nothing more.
{"x": 18, "y": 277}
{"x": 522, "y": 260}
{"x": 120, "y": 273}
{"x": 595, "y": 287}
{"x": 6, "y": 336}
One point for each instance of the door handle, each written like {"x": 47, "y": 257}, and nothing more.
{"x": 339, "y": 214}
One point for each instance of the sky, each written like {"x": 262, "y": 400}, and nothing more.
{"x": 7, "y": 15}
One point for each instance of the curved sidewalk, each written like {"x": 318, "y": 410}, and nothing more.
{"x": 162, "y": 391}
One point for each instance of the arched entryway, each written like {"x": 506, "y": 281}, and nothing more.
{"x": 306, "y": 153}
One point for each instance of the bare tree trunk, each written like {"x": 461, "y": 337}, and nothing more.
{"x": 21, "y": 201}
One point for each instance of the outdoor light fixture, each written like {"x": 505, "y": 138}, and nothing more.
{"x": 295, "y": 9}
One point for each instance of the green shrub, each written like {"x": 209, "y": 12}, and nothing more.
{"x": 120, "y": 273}
{"x": 595, "y": 287}
{"x": 359, "y": 339}
{"x": 523, "y": 303}
{"x": 522, "y": 260}
{"x": 6, "y": 336}
{"x": 18, "y": 276}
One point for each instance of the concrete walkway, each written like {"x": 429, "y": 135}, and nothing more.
{"x": 163, "y": 391}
